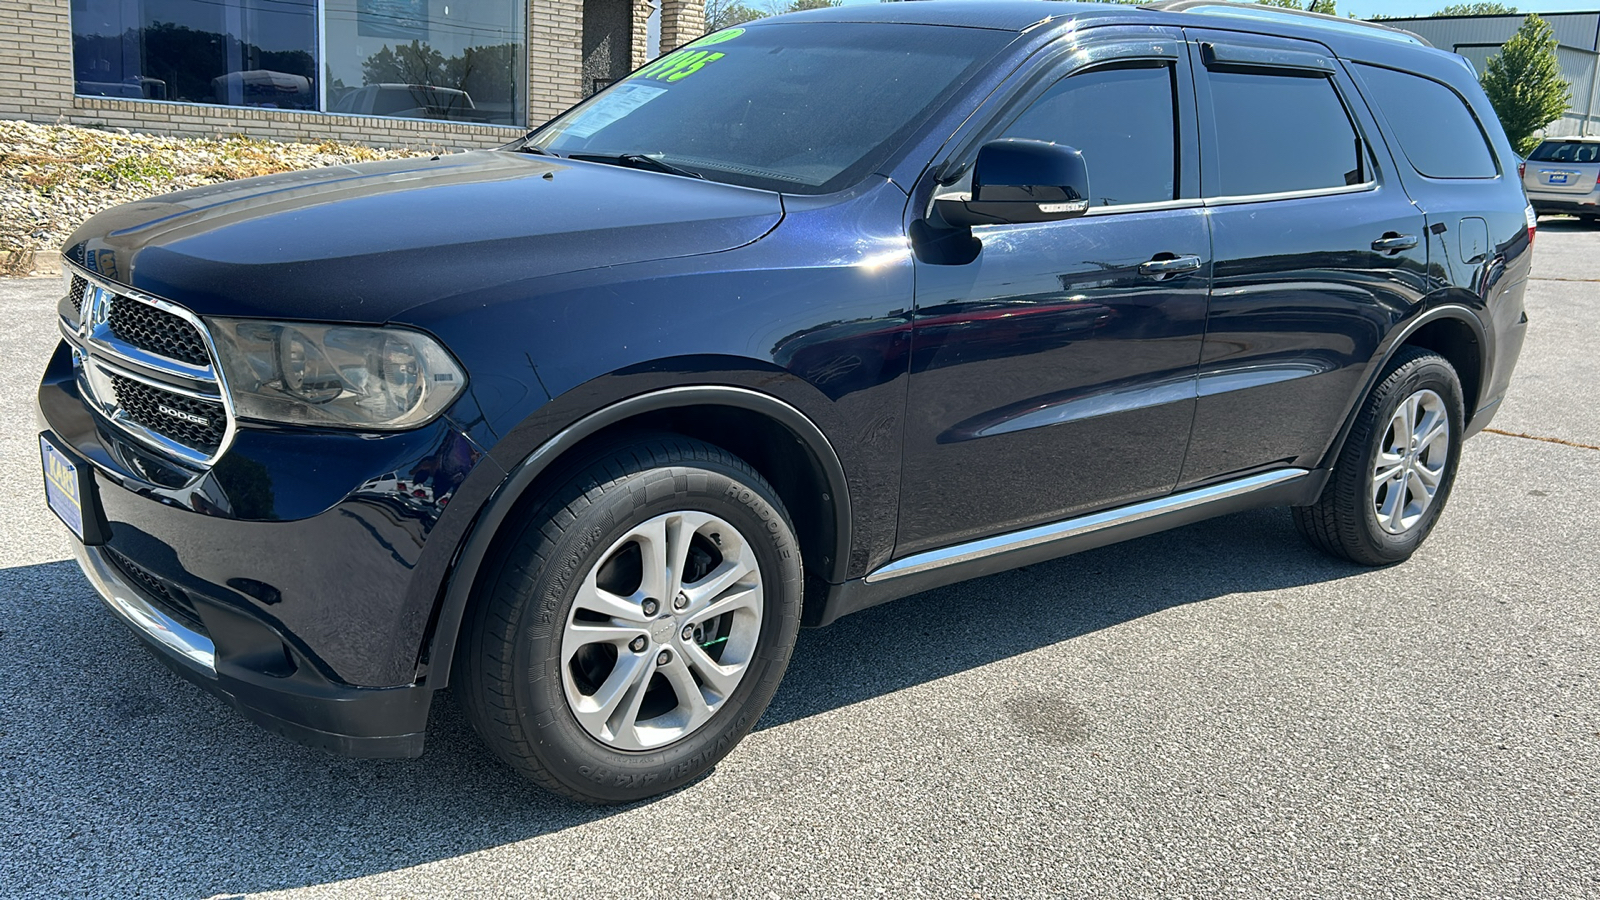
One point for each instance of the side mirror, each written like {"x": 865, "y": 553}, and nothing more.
{"x": 1019, "y": 181}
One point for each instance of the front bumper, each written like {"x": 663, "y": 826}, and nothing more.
{"x": 350, "y": 721}
{"x": 295, "y": 579}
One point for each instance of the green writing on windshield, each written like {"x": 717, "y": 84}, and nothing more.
{"x": 726, "y": 34}
{"x": 677, "y": 66}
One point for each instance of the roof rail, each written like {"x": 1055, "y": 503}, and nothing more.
{"x": 1287, "y": 16}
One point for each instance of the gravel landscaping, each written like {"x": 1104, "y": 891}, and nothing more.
{"x": 52, "y": 177}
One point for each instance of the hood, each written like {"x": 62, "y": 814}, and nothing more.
{"x": 363, "y": 243}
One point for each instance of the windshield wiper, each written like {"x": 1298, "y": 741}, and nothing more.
{"x": 535, "y": 148}
{"x": 636, "y": 161}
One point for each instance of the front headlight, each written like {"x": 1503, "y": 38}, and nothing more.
{"x": 301, "y": 374}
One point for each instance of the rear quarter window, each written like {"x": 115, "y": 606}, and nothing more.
{"x": 1437, "y": 131}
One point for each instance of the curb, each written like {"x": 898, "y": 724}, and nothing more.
{"x": 24, "y": 263}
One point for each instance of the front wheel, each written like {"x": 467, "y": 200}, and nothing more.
{"x": 1393, "y": 476}
{"x": 637, "y": 624}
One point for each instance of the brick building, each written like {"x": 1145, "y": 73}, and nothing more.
{"x": 458, "y": 73}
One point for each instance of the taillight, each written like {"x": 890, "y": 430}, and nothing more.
{"x": 1522, "y": 169}
{"x": 1533, "y": 222}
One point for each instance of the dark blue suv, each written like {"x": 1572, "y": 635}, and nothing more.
{"x": 803, "y": 317}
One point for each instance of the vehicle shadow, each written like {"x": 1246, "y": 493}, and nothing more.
{"x": 119, "y": 776}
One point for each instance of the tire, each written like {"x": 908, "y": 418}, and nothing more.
{"x": 581, "y": 679}
{"x": 1377, "y": 521}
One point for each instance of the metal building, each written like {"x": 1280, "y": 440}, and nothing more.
{"x": 1480, "y": 37}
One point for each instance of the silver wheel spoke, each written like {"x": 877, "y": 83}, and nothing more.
{"x": 599, "y": 713}
{"x": 720, "y": 679}
{"x": 1420, "y": 491}
{"x": 624, "y": 723}
{"x": 746, "y": 598}
{"x": 1394, "y": 503}
{"x": 605, "y": 603}
{"x": 691, "y": 701}
{"x": 703, "y": 592}
{"x": 1429, "y": 477}
{"x": 1389, "y": 473}
{"x": 583, "y": 633}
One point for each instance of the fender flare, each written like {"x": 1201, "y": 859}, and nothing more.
{"x": 474, "y": 548}
{"x": 1464, "y": 314}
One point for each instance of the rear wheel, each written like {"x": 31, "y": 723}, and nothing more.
{"x": 636, "y": 624}
{"x": 1394, "y": 475}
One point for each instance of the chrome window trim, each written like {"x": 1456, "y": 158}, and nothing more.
{"x": 1080, "y": 525}
{"x": 91, "y": 348}
{"x": 1155, "y": 206}
{"x": 1235, "y": 199}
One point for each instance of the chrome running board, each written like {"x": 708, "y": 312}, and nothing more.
{"x": 1041, "y": 535}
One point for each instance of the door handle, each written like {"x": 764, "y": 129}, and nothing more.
{"x": 1173, "y": 265}
{"x": 1394, "y": 243}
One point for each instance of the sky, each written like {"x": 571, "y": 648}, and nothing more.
{"x": 1367, "y": 8}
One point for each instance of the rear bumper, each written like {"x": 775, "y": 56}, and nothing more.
{"x": 1587, "y": 204}
{"x": 363, "y": 722}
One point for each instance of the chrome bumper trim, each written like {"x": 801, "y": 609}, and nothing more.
{"x": 1071, "y": 528}
{"x": 131, "y": 607}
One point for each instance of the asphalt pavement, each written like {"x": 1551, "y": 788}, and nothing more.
{"x": 1214, "y": 711}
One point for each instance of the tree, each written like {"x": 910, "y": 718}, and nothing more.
{"x": 1317, "y": 6}
{"x": 728, "y": 13}
{"x": 1524, "y": 83}
{"x": 413, "y": 63}
{"x": 1476, "y": 9}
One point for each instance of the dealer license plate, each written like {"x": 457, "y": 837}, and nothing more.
{"x": 61, "y": 486}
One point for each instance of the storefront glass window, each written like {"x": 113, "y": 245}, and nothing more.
{"x": 455, "y": 60}
{"x": 460, "y": 60}
{"x": 233, "y": 52}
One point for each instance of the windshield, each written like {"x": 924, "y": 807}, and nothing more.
{"x": 1566, "y": 151}
{"x": 798, "y": 107}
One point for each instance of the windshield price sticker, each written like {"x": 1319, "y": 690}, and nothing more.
{"x": 611, "y": 106}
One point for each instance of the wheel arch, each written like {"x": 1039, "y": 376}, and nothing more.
{"x": 777, "y": 439}
{"x": 1450, "y": 329}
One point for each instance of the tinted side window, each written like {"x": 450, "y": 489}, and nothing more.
{"x": 1280, "y": 133}
{"x": 1436, "y": 129}
{"x": 1123, "y": 120}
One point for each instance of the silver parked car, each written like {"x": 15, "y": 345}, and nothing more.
{"x": 1562, "y": 175}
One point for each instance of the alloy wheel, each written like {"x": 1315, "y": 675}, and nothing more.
{"x": 1411, "y": 460}
{"x": 661, "y": 631}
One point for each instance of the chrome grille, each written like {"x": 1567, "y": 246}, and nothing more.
{"x": 75, "y": 292}
{"x": 145, "y": 365}
{"x": 200, "y": 424}
{"x": 157, "y": 331}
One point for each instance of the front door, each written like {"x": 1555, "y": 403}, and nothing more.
{"x": 1054, "y": 374}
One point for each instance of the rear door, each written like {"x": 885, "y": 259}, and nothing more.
{"x": 1318, "y": 252}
